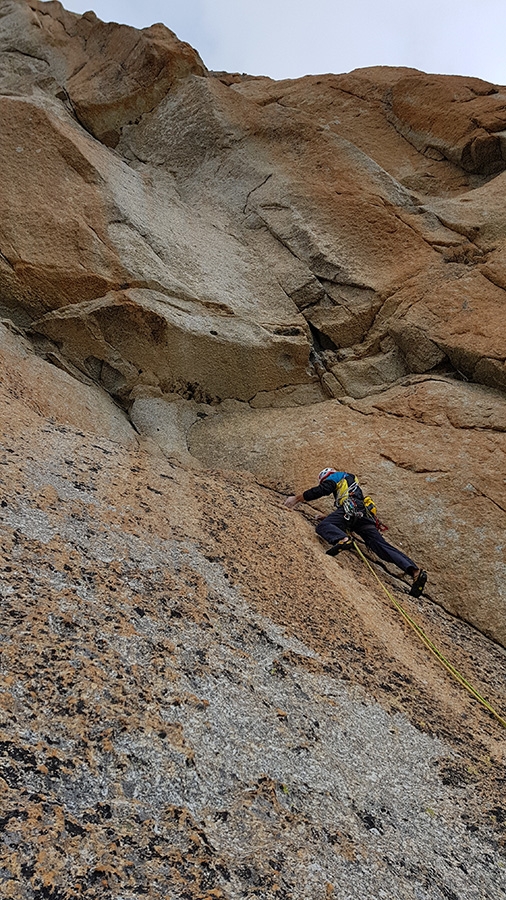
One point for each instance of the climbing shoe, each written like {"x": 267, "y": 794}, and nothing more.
{"x": 418, "y": 584}
{"x": 347, "y": 544}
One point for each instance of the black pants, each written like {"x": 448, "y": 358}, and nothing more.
{"x": 335, "y": 526}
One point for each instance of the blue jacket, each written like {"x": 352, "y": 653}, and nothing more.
{"x": 333, "y": 484}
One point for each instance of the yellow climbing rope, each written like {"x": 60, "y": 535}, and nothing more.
{"x": 428, "y": 643}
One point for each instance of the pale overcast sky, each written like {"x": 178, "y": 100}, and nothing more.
{"x": 290, "y": 38}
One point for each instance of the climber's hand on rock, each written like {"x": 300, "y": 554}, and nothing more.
{"x": 291, "y": 502}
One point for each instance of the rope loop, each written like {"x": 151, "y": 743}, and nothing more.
{"x": 432, "y": 647}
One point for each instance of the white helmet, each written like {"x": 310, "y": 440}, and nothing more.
{"x": 325, "y": 474}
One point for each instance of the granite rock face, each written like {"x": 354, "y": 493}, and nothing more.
{"x": 430, "y": 452}
{"x": 197, "y": 702}
{"x": 256, "y": 225}
{"x": 95, "y": 248}
{"x": 211, "y": 286}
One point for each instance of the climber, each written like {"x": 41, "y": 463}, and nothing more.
{"x": 350, "y": 514}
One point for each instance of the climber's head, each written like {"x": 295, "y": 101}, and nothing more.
{"x": 325, "y": 474}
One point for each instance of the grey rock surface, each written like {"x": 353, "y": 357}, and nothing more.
{"x": 161, "y": 733}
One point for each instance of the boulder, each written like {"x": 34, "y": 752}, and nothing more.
{"x": 419, "y": 352}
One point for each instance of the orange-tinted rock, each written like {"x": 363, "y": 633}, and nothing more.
{"x": 456, "y": 117}
{"x": 247, "y": 239}
{"x": 186, "y": 675}
{"x": 45, "y": 392}
{"x": 188, "y": 683}
{"x": 268, "y": 203}
{"x": 53, "y": 213}
{"x": 111, "y": 74}
{"x": 431, "y": 452}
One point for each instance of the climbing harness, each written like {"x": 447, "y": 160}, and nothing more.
{"x": 343, "y": 490}
{"x": 345, "y": 486}
{"x": 431, "y": 646}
